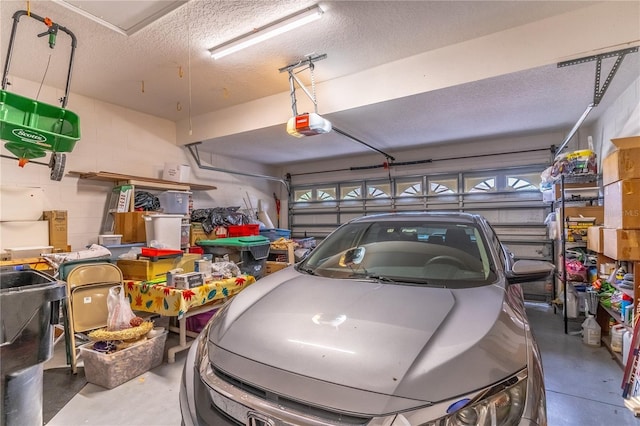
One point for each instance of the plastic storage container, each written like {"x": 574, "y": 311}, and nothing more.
{"x": 29, "y": 302}
{"x": 275, "y": 233}
{"x": 617, "y": 333}
{"x": 243, "y": 230}
{"x": 250, "y": 253}
{"x": 118, "y": 250}
{"x": 591, "y": 331}
{"x": 111, "y": 370}
{"x": 572, "y": 305}
{"x": 166, "y": 229}
{"x": 110, "y": 239}
{"x": 174, "y": 202}
{"x": 27, "y": 252}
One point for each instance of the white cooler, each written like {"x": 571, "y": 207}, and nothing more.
{"x": 163, "y": 228}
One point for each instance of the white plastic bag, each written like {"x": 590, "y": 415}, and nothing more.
{"x": 120, "y": 313}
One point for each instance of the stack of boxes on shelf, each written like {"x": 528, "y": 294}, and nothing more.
{"x": 621, "y": 179}
{"x": 618, "y": 241}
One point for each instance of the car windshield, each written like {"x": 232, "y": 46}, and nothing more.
{"x": 409, "y": 253}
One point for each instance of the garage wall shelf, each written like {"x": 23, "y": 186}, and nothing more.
{"x": 134, "y": 182}
{"x": 570, "y": 204}
{"x": 146, "y": 182}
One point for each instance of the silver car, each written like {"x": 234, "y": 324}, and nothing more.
{"x": 393, "y": 320}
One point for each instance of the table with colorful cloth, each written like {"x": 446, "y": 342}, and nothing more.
{"x": 158, "y": 298}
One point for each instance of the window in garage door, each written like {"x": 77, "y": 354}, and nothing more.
{"x": 509, "y": 198}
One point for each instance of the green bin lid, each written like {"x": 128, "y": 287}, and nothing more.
{"x": 236, "y": 241}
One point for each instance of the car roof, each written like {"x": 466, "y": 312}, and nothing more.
{"x": 435, "y": 216}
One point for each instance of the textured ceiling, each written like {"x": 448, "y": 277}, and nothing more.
{"x": 165, "y": 69}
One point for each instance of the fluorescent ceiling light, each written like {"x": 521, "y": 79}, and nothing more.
{"x": 268, "y": 31}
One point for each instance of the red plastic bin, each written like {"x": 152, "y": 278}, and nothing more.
{"x": 243, "y": 230}
{"x": 154, "y": 252}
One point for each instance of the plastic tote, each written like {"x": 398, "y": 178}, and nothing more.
{"x": 250, "y": 253}
{"x": 164, "y": 229}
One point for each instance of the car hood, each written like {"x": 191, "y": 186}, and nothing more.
{"x": 414, "y": 342}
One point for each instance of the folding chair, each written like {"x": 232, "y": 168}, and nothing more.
{"x": 86, "y": 308}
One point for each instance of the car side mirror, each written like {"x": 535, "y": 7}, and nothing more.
{"x": 523, "y": 271}
{"x": 353, "y": 256}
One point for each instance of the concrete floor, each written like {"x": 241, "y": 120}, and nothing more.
{"x": 583, "y": 385}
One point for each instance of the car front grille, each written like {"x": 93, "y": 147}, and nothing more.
{"x": 300, "y": 407}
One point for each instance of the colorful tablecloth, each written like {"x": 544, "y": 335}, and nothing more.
{"x": 170, "y": 301}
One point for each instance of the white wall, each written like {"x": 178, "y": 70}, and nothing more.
{"x": 121, "y": 140}
{"x": 620, "y": 120}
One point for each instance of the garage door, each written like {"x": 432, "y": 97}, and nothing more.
{"x": 509, "y": 198}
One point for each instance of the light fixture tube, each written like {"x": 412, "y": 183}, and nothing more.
{"x": 268, "y": 31}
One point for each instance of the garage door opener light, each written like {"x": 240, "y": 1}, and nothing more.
{"x": 268, "y": 31}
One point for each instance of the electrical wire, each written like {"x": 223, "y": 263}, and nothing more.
{"x": 189, "y": 65}
{"x": 43, "y": 77}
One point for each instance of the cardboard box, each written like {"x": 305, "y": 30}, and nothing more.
{"x": 176, "y": 172}
{"x": 625, "y": 143}
{"x": 596, "y": 212}
{"x": 58, "y": 228}
{"x": 621, "y": 164}
{"x": 131, "y": 226}
{"x": 145, "y": 269}
{"x": 622, "y": 204}
{"x": 576, "y": 235}
{"x": 595, "y": 239}
{"x": 272, "y": 267}
{"x": 197, "y": 233}
{"x": 188, "y": 280}
{"x": 622, "y": 244}
{"x": 577, "y": 222}
{"x": 111, "y": 370}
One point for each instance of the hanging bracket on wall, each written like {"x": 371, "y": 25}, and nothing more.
{"x": 598, "y": 92}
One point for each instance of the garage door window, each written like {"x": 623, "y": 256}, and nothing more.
{"x": 443, "y": 185}
{"x": 482, "y": 184}
{"x": 524, "y": 182}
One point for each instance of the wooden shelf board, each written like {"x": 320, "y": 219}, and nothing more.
{"x": 616, "y": 316}
{"x": 140, "y": 180}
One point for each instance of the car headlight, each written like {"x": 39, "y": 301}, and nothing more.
{"x": 203, "y": 338}
{"x": 500, "y": 405}
{"x": 502, "y": 408}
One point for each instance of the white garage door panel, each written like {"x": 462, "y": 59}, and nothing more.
{"x": 529, "y": 251}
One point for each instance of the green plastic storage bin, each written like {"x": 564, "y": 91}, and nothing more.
{"x": 250, "y": 253}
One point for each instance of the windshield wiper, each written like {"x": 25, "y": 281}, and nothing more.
{"x": 380, "y": 278}
{"x": 307, "y": 271}
{"x": 369, "y": 276}
{"x": 395, "y": 280}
